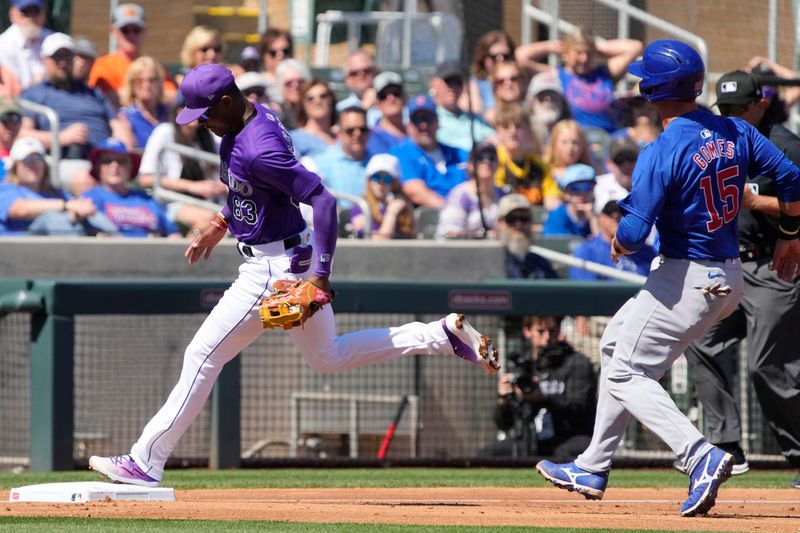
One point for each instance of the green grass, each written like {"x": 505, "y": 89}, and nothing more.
{"x": 83, "y": 525}
{"x": 396, "y": 477}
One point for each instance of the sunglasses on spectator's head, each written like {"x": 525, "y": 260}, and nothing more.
{"x": 423, "y": 117}
{"x": 391, "y": 90}
{"x": 131, "y": 29}
{"x": 11, "y": 119}
{"x": 216, "y": 49}
{"x": 581, "y": 186}
{"x": 382, "y": 177}
{"x": 273, "y": 52}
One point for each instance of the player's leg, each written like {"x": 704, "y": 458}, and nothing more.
{"x": 230, "y": 327}
{"x": 711, "y": 360}
{"x": 588, "y": 474}
{"x": 324, "y": 351}
{"x": 773, "y": 309}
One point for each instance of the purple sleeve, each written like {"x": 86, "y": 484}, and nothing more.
{"x": 325, "y": 229}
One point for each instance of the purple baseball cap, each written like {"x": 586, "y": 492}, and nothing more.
{"x": 203, "y": 87}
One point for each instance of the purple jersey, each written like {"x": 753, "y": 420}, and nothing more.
{"x": 689, "y": 183}
{"x": 265, "y": 181}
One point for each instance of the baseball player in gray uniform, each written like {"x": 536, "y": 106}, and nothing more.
{"x": 689, "y": 182}
{"x": 265, "y": 186}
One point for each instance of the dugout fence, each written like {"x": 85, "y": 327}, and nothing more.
{"x": 85, "y": 364}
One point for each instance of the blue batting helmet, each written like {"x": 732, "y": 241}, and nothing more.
{"x": 670, "y": 70}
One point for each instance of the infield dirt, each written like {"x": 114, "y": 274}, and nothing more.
{"x": 753, "y": 510}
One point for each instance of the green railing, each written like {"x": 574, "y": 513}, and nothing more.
{"x": 54, "y": 304}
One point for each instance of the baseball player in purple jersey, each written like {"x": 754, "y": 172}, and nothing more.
{"x": 265, "y": 186}
{"x": 688, "y": 183}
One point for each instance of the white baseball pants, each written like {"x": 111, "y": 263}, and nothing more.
{"x": 640, "y": 344}
{"x": 234, "y": 324}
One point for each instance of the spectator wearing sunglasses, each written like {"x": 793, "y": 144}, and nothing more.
{"x": 492, "y": 48}
{"x": 293, "y": 77}
{"x": 203, "y": 45}
{"x": 10, "y": 122}
{"x": 359, "y": 73}
{"x": 342, "y": 166}
{"x": 129, "y": 29}
{"x": 391, "y": 213}
{"x": 316, "y": 120}
{"x": 429, "y": 169}
{"x": 30, "y": 204}
{"x": 276, "y": 45}
{"x": 456, "y": 127}
{"x": 507, "y": 84}
{"x": 134, "y": 213}
{"x": 391, "y": 128}
{"x": 86, "y": 116}
{"x": 21, "y": 43}
{"x": 515, "y": 231}
{"x": 616, "y": 183}
{"x": 575, "y": 215}
{"x": 471, "y": 210}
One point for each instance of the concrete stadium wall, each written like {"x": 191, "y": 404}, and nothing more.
{"x": 116, "y": 258}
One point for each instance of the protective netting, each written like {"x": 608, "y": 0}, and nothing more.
{"x": 14, "y": 387}
{"x": 126, "y": 365}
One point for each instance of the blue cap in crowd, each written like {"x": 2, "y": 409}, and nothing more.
{"x": 578, "y": 173}
{"x": 421, "y": 102}
{"x": 25, "y": 4}
{"x": 203, "y": 87}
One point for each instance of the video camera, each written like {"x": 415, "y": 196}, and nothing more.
{"x": 521, "y": 367}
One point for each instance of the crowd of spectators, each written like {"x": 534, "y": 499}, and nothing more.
{"x": 512, "y": 148}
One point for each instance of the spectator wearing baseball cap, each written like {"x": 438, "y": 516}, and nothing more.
{"x": 456, "y": 126}
{"x": 429, "y": 169}
{"x": 545, "y": 100}
{"x": 596, "y": 249}
{"x": 391, "y": 213}
{"x": 86, "y": 117}
{"x": 256, "y": 87}
{"x": 471, "y": 208}
{"x": 10, "y": 122}
{"x": 84, "y": 58}
{"x": 129, "y": 29}
{"x": 616, "y": 183}
{"x": 30, "y": 204}
{"x": 515, "y": 231}
{"x": 574, "y": 215}
{"x": 20, "y": 44}
{"x": 391, "y": 128}
{"x": 135, "y": 213}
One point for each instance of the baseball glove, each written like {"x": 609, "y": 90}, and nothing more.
{"x": 291, "y": 304}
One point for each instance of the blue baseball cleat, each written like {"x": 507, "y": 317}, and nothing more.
{"x": 568, "y": 476}
{"x": 713, "y": 470}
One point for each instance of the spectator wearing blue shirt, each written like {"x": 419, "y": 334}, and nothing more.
{"x": 596, "y": 249}
{"x": 30, "y": 205}
{"x": 135, "y": 213}
{"x": 574, "y": 216}
{"x": 429, "y": 169}
{"x": 86, "y": 117}
{"x": 390, "y": 131}
{"x": 456, "y": 126}
{"x": 342, "y": 166}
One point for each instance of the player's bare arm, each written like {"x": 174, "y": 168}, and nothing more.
{"x": 786, "y": 259}
{"x": 760, "y": 202}
{"x": 205, "y": 241}
{"x": 618, "y": 250}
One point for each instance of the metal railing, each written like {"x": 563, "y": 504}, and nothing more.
{"x": 55, "y": 128}
{"x": 166, "y": 195}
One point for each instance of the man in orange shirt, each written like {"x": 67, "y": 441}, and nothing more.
{"x": 108, "y": 73}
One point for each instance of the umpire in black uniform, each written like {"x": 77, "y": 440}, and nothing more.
{"x": 769, "y": 313}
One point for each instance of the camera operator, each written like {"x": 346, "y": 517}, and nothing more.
{"x": 546, "y": 399}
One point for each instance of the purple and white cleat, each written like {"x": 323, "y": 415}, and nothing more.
{"x": 122, "y": 469}
{"x": 469, "y": 344}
